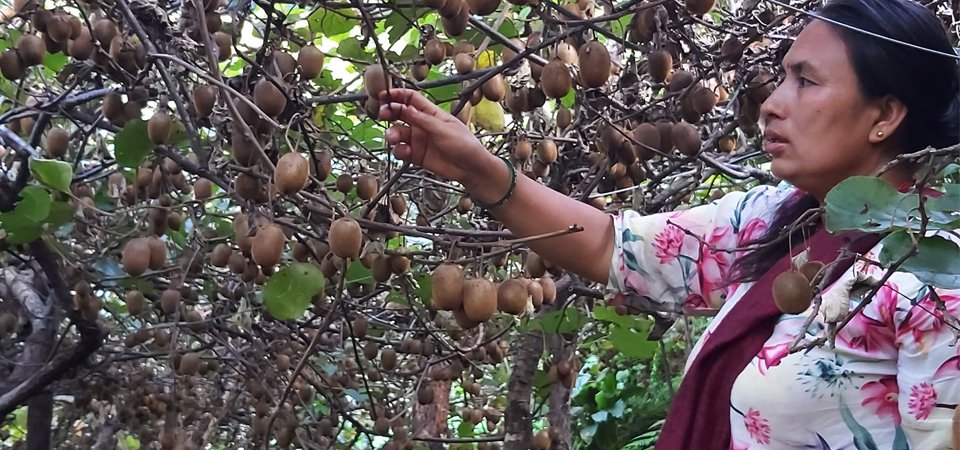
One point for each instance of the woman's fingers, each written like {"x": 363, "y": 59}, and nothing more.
{"x": 410, "y": 97}
{"x": 399, "y": 111}
{"x": 397, "y": 134}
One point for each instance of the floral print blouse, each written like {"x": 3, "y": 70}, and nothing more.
{"x": 891, "y": 382}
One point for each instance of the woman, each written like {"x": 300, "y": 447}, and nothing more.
{"x": 848, "y": 104}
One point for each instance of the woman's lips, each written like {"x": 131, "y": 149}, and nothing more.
{"x": 774, "y": 144}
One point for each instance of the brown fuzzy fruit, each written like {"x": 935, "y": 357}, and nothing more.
{"x": 483, "y": 7}
{"x": 727, "y": 143}
{"x": 555, "y": 79}
{"x": 398, "y": 204}
{"x": 699, "y": 7}
{"x": 522, "y": 150}
{"x": 791, "y": 292}
{"x": 135, "y": 257}
{"x": 189, "y": 364}
{"x": 82, "y": 47}
{"x": 810, "y": 269}
{"x": 541, "y": 441}
{"x": 268, "y": 98}
{"x": 420, "y": 70}
{"x": 594, "y": 64}
{"x": 135, "y": 302}
{"x": 433, "y": 52}
{"x": 702, "y": 99}
{"x": 534, "y": 265}
{"x": 547, "y": 151}
{"x": 479, "y": 299}
{"x": 170, "y": 301}
{"x": 648, "y": 137}
{"x": 224, "y": 44}
{"x": 464, "y": 63}
{"x": 59, "y": 28}
{"x": 345, "y": 183}
{"x": 10, "y": 66}
{"x": 685, "y": 138}
{"x": 375, "y": 80}
{"x": 220, "y": 256}
{"x": 366, "y": 186}
{"x": 285, "y": 63}
{"x": 158, "y": 252}
{"x": 388, "y": 359}
{"x": 659, "y": 63}
{"x": 512, "y": 296}
{"x": 31, "y": 50}
{"x": 202, "y": 189}
{"x": 58, "y": 140}
{"x": 549, "y": 290}
{"x": 104, "y": 30}
{"x": 310, "y": 59}
{"x": 158, "y": 127}
{"x": 291, "y": 173}
{"x": 267, "y": 245}
{"x": 204, "y": 99}
{"x": 564, "y": 118}
{"x": 112, "y": 107}
{"x": 447, "y": 287}
{"x": 679, "y": 81}
{"x": 346, "y": 238}
{"x": 425, "y": 394}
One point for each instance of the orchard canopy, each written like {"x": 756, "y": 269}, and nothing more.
{"x": 207, "y": 244}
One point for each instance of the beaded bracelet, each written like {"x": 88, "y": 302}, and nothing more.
{"x": 513, "y": 187}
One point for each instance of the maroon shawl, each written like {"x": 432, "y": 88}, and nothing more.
{"x": 699, "y": 417}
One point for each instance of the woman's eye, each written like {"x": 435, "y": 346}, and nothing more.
{"x": 803, "y": 81}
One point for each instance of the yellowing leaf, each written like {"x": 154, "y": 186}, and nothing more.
{"x": 486, "y": 59}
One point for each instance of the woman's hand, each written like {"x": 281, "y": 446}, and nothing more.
{"x": 431, "y": 137}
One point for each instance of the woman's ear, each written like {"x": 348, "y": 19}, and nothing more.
{"x": 891, "y": 114}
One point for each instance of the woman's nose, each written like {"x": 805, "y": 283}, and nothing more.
{"x": 773, "y": 106}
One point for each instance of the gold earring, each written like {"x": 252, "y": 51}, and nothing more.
{"x": 879, "y": 133}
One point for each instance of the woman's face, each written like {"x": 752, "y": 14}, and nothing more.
{"x": 818, "y": 127}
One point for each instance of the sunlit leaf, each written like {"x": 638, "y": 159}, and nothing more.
{"x": 53, "y": 173}
{"x": 288, "y": 292}
{"x": 132, "y": 144}
{"x": 937, "y": 261}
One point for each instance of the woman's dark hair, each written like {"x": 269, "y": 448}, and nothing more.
{"x": 928, "y": 85}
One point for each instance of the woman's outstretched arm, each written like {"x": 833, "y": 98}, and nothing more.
{"x": 431, "y": 138}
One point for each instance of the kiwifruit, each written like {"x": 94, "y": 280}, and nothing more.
{"x": 699, "y": 7}
{"x": 648, "y": 137}
{"x": 40, "y": 18}
{"x": 564, "y": 118}
{"x": 479, "y": 299}
{"x": 566, "y": 53}
{"x": 267, "y": 245}
{"x": 450, "y": 8}
{"x": 344, "y": 183}
{"x": 214, "y": 22}
{"x": 58, "y": 140}
{"x": 522, "y": 150}
{"x": 476, "y": 95}
{"x": 189, "y": 364}
{"x": 512, "y": 296}
{"x": 687, "y": 112}
{"x": 447, "y": 287}
{"x": 419, "y": 70}
{"x": 483, "y": 7}
{"x": 388, "y": 358}
{"x": 665, "y": 127}
{"x": 726, "y": 143}
{"x": 679, "y": 81}
{"x": 346, "y": 238}
{"x": 425, "y": 394}
{"x": 135, "y": 302}
{"x": 82, "y": 47}
{"x": 398, "y": 204}
{"x": 535, "y": 289}
{"x": 170, "y": 301}
{"x": 59, "y": 28}
{"x": 810, "y": 269}
{"x": 556, "y": 80}
{"x": 269, "y": 98}
{"x": 465, "y": 204}
{"x": 159, "y": 126}
{"x": 399, "y": 264}
{"x": 465, "y": 322}
{"x": 220, "y": 255}
{"x": 618, "y": 170}
{"x": 10, "y": 66}
{"x": 310, "y": 59}
{"x": 31, "y": 49}
{"x": 433, "y": 51}
{"x": 549, "y": 289}
{"x": 464, "y": 63}
{"x": 547, "y": 151}
{"x": 686, "y": 138}
{"x": 594, "y": 64}
{"x": 456, "y": 24}
{"x": 541, "y": 441}
{"x": 248, "y": 187}
{"x": 158, "y": 252}
{"x": 286, "y": 64}
{"x": 534, "y": 265}
{"x": 204, "y": 99}
{"x": 104, "y": 30}
{"x": 791, "y": 292}
{"x": 702, "y": 99}
{"x": 466, "y": 113}
{"x": 760, "y": 86}
{"x": 731, "y": 50}
{"x": 291, "y": 173}
{"x": 517, "y": 99}
{"x": 112, "y": 107}
{"x": 366, "y": 186}
{"x": 659, "y": 63}
{"x": 375, "y": 80}
{"x": 135, "y": 257}
{"x": 463, "y": 46}
{"x": 224, "y": 43}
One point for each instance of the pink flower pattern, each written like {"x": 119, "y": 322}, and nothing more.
{"x": 757, "y": 426}
{"x": 901, "y": 329}
{"x": 923, "y": 398}
{"x": 882, "y": 395}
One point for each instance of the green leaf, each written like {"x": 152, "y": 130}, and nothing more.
{"x": 562, "y": 321}
{"x": 288, "y": 292}
{"x": 53, "y": 173}
{"x": 871, "y": 204}
{"x": 568, "y": 100}
{"x": 357, "y": 273}
{"x": 351, "y": 48}
{"x": 34, "y": 204}
{"x": 936, "y": 263}
{"x": 465, "y": 430}
{"x": 61, "y": 213}
{"x": 132, "y": 144}
{"x": 631, "y": 343}
{"x": 330, "y": 23}
{"x": 55, "y": 61}
{"x": 619, "y": 27}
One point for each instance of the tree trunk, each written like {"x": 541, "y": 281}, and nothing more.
{"x": 39, "y": 418}
{"x": 517, "y": 418}
{"x": 561, "y": 347}
{"x": 431, "y": 420}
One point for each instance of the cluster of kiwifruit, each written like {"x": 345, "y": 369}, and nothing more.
{"x": 564, "y": 372}
{"x": 759, "y": 87}
{"x": 792, "y": 290}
